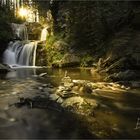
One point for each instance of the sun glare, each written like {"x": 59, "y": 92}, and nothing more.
{"x": 23, "y": 12}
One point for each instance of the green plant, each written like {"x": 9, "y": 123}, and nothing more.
{"x": 86, "y": 61}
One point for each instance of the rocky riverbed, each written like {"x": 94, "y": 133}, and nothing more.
{"x": 74, "y": 108}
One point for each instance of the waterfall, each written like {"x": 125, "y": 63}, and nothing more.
{"x": 20, "y": 31}
{"x": 20, "y": 54}
{"x": 44, "y": 34}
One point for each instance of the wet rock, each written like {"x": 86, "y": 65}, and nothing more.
{"x": 54, "y": 97}
{"x": 40, "y": 88}
{"x": 4, "y": 68}
{"x": 60, "y": 100}
{"x": 66, "y": 94}
{"x": 45, "y": 85}
{"x": 87, "y": 89}
{"x": 76, "y": 88}
{"x": 14, "y": 93}
{"x": 48, "y": 90}
{"x": 42, "y": 74}
{"x": 12, "y": 119}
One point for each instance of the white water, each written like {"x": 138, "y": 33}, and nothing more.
{"x": 20, "y": 53}
{"x": 44, "y": 34}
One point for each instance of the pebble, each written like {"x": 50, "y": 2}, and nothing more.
{"x": 40, "y": 88}
{"x": 14, "y": 93}
{"x": 12, "y": 119}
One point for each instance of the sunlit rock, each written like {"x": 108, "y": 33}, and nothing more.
{"x": 91, "y": 102}
{"x": 73, "y": 100}
{"x": 60, "y": 100}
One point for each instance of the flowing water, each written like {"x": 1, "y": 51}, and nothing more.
{"x": 44, "y": 34}
{"x": 116, "y": 117}
{"x": 20, "y": 53}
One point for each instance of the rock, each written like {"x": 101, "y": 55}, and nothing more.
{"x": 91, "y": 102}
{"x": 66, "y": 94}
{"x": 60, "y": 100}
{"x": 66, "y": 79}
{"x": 44, "y": 85}
{"x": 76, "y": 88}
{"x": 14, "y": 93}
{"x": 87, "y": 89}
{"x": 49, "y": 90}
{"x": 40, "y": 88}
{"x": 42, "y": 74}
{"x": 12, "y": 119}
{"x": 54, "y": 97}
{"x": 4, "y": 68}
{"x": 73, "y": 100}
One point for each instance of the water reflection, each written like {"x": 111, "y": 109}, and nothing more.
{"x": 55, "y": 74}
{"x": 21, "y": 73}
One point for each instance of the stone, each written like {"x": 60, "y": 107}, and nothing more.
{"x": 66, "y": 94}
{"x": 14, "y": 93}
{"x": 4, "y": 68}
{"x": 54, "y": 97}
{"x": 12, "y": 119}
{"x": 72, "y": 101}
{"x": 76, "y": 88}
{"x": 91, "y": 102}
{"x": 44, "y": 85}
{"x": 40, "y": 88}
{"x": 49, "y": 90}
{"x": 42, "y": 74}
{"x": 60, "y": 100}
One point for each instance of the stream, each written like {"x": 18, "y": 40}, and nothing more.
{"x": 116, "y": 116}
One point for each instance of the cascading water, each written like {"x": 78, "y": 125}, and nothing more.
{"x": 44, "y": 34}
{"x": 20, "y": 53}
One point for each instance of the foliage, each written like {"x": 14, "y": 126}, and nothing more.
{"x": 53, "y": 54}
{"x": 86, "y": 61}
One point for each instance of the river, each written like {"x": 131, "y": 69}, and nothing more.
{"x": 116, "y": 116}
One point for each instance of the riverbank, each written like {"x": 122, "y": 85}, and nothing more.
{"x": 38, "y": 108}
